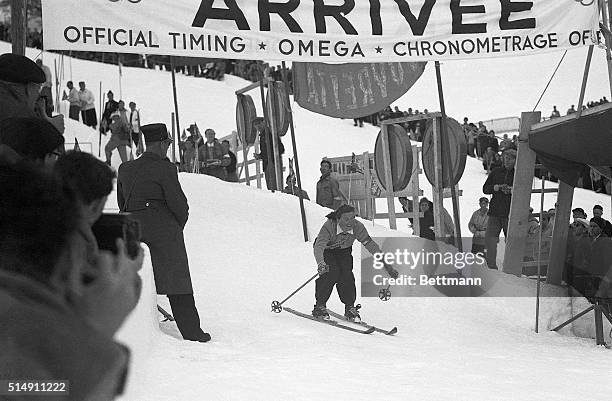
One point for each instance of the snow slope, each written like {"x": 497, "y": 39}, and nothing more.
{"x": 246, "y": 249}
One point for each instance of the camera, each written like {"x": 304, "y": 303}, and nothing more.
{"x": 111, "y": 226}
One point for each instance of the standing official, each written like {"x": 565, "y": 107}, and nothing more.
{"x": 149, "y": 188}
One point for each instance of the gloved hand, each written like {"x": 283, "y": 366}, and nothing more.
{"x": 391, "y": 271}
{"x": 322, "y": 268}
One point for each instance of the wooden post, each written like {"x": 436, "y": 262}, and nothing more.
{"x": 606, "y": 21}
{"x": 368, "y": 183}
{"x": 445, "y": 151}
{"x": 438, "y": 192}
{"x": 19, "y": 26}
{"x": 272, "y": 112}
{"x": 295, "y": 153}
{"x": 521, "y": 198}
{"x": 388, "y": 178}
{"x": 173, "y": 139}
{"x": 176, "y": 110}
{"x": 558, "y": 247}
{"x": 245, "y": 159}
{"x": 416, "y": 212}
{"x": 585, "y": 77}
{"x": 257, "y": 165}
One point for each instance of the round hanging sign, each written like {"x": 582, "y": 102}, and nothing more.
{"x": 457, "y": 148}
{"x": 401, "y": 158}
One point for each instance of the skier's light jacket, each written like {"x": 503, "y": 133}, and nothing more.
{"x": 331, "y": 236}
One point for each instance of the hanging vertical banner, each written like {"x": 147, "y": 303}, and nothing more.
{"x": 321, "y": 30}
{"x": 352, "y": 90}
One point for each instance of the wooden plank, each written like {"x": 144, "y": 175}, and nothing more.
{"x": 521, "y": 198}
{"x": 558, "y": 248}
{"x": 414, "y": 117}
{"x": 546, "y": 190}
{"x": 388, "y": 178}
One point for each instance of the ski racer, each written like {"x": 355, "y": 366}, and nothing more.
{"x": 332, "y": 251}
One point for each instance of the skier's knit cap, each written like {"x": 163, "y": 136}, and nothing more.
{"x": 155, "y": 132}
{"x": 32, "y": 138}
{"x": 20, "y": 69}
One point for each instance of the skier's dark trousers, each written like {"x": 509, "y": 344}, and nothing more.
{"x": 149, "y": 188}
{"x": 340, "y": 262}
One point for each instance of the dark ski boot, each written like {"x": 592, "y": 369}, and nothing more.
{"x": 351, "y": 313}
{"x": 320, "y": 312}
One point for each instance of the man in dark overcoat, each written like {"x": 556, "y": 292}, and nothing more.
{"x": 148, "y": 187}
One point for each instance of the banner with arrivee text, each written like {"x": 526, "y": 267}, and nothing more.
{"x": 346, "y": 31}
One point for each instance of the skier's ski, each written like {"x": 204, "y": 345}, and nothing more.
{"x": 378, "y": 329}
{"x": 334, "y": 323}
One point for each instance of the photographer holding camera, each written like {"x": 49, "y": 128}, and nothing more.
{"x": 149, "y": 189}
{"x": 92, "y": 182}
{"x": 57, "y": 326}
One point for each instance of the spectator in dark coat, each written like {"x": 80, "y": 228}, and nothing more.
{"x": 598, "y": 212}
{"x": 211, "y": 156}
{"x": 499, "y": 184}
{"x": 427, "y": 221}
{"x": 110, "y": 107}
{"x": 148, "y": 187}
{"x": 230, "y": 169}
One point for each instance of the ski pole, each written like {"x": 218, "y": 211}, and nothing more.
{"x": 277, "y": 306}
{"x": 166, "y": 314}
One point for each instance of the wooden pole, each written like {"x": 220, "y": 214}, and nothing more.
{"x": 100, "y": 125}
{"x": 606, "y": 21}
{"x": 176, "y": 108}
{"x": 272, "y": 113}
{"x": 19, "y": 26}
{"x": 368, "y": 188}
{"x": 295, "y": 152}
{"x": 585, "y": 78}
{"x": 438, "y": 191}
{"x": 173, "y": 139}
{"x": 266, "y": 114}
{"x": 537, "y": 311}
{"x": 388, "y": 177}
{"x": 445, "y": 150}
{"x": 416, "y": 212}
{"x": 609, "y": 25}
